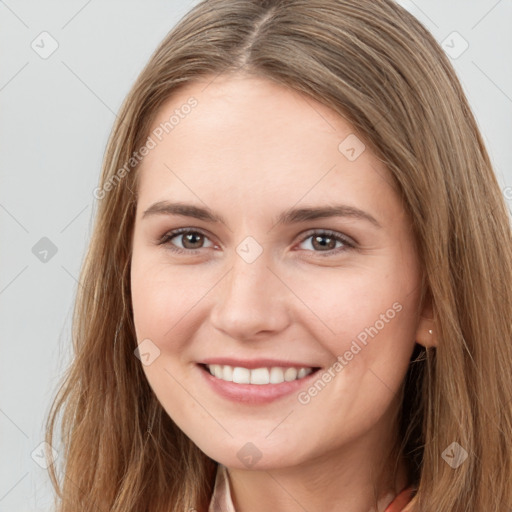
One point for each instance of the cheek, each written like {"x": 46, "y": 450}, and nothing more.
{"x": 367, "y": 321}
{"x": 163, "y": 299}
{"x": 151, "y": 297}
{"x": 167, "y": 300}
{"x": 158, "y": 294}
{"x": 346, "y": 304}
{"x": 373, "y": 319}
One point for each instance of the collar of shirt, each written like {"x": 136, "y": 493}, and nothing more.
{"x": 221, "y": 498}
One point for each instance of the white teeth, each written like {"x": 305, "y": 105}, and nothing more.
{"x": 227, "y": 373}
{"x": 241, "y": 375}
{"x": 302, "y": 373}
{"x": 276, "y": 375}
{"x": 259, "y": 376}
{"x": 218, "y": 371}
{"x": 290, "y": 374}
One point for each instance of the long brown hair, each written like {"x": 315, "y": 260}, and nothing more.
{"x": 378, "y": 67}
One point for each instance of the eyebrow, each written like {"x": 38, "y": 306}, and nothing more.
{"x": 290, "y": 216}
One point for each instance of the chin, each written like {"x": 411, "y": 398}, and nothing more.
{"x": 254, "y": 456}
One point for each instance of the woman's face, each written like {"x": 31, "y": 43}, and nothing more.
{"x": 261, "y": 282}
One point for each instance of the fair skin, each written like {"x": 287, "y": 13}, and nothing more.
{"x": 248, "y": 151}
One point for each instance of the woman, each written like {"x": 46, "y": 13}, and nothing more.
{"x": 297, "y": 294}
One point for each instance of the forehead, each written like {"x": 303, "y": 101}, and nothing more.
{"x": 253, "y": 140}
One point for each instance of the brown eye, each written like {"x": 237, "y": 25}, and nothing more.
{"x": 325, "y": 242}
{"x": 191, "y": 240}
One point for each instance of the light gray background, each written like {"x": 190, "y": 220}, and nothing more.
{"x": 56, "y": 115}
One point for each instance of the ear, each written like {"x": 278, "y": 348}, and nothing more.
{"x": 426, "y": 334}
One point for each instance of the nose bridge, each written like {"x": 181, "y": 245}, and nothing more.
{"x": 248, "y": 275}
{"x": 248, "y": 300}
{"x": 249, "y": 272}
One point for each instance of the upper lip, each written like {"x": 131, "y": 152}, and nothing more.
{"x": 256, "y": 363}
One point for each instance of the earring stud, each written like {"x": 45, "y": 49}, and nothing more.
{"x": 430, "y": 331}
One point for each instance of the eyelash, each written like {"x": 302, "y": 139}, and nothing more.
{"x": 166, "y": 239}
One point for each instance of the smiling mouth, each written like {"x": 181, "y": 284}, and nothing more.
{"x": 258, "y": 376}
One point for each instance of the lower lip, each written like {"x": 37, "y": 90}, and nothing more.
{"x": 254, "y": 393}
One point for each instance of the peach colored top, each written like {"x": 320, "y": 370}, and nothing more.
{"x": 221, "y": 497}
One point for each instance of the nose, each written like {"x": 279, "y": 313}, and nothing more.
{"x": 251, "y": 300}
